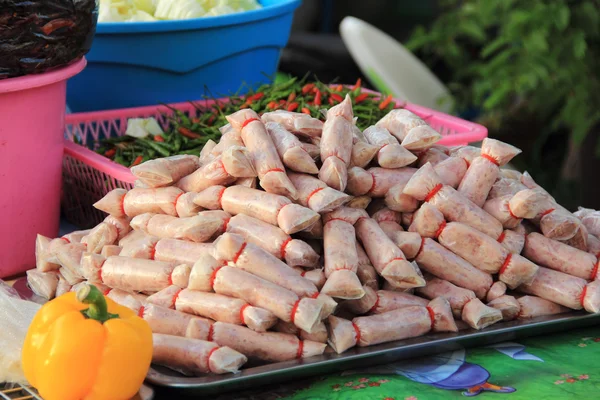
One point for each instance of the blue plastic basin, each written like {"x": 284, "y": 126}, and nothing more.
{"x": 145, "y": 63}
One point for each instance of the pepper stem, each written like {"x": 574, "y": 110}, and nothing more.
{"x": 98, "y": 310}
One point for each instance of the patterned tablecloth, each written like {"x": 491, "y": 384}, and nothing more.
{"x": 560, "y": 366}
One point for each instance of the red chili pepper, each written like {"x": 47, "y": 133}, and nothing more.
{"x": 292, "y": 106}
{"x": 137, "y": 161}
{"x": 291, "y": 97}
{"x": 308, "y": 88}
{"x": 245, "y": 105}
{"x": 272, "y": 105}
{"x": 356, "y": 85}
{"x": 331, "y": 101}
{"x": 317, "y": 97}
{"x": 195, "y": 120}
{"x": 282, "y": 102}
{"x": 187, "y": 133}
{"x": 110, "y": 153}
{"x": 158, "y": 138}
{"x": 257, "y": 96}
{"x": 385, "y": 102}
{"x": 361, "y": 97}
{"x": 339, "y": 88}
{"x": 337, "y": 97}
{"x": 306, "y": 110}
{"x": 211, "y": 119}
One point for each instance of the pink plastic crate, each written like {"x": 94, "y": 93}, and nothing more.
{"x": 88, "y": 176}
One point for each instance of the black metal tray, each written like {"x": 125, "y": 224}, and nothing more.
{"x": 360, "y": 357}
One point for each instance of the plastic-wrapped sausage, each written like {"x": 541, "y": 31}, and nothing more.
{"x": 561, "y": 257}
{"x": 76, "y": 236}
{"x": 391, "y": 217}
{"x": 267, "y": 346}
{"x": 403, "y": 323}
{"x": 533, "y": 306}
{"x": 185, "y": 205}
{"x": 44, "y": 252}
{"x": 69, "y": 276}
{"x": 511, "y": 209}
{"x": 235, "y": 162}
{"x": 593, "y": 245}
{"x": 512, "y": 241}
{"x": 319, "y": 335}
{"x": 425, "y": 185}
{"x": 590, "y": 219}
{"x": 293, "y": 155}
{"x": 210, "y": 198}
{"x": 316, "y": 195}
{"x": 387, "y": 258}
{"x": 399, "y": 122}
{"x": 196, "y": 229}
{"x": 122, "y": 225}
{"x": 69, "y": 256}
{"x": 305, "y": 313}
{"x": 485, "y": 169}
{"x": 567, "y": 290}
{"x": 206, "y": 152}
{"x": 396, "y": 200}
{"x": 451, "y": 171}
{"x": 253, "y": 259}
{"x": 166, "y": 297}
{"x": 421, "y": 138}
{"x": 143, "y": 247}
{"x": 229, "y": 137}
{"x": 365, "y": 271}
{"x": 263, "y": 152}
{"x": 336, "y": 145}
{"x": 390, "y": 154}
{"x": 181, "y": 251}
{"x": 223, "y": 308}
{"x": 313, "y": 150}
{"x": 504, "y": 187}
{"x": 580, "y": 239}
{"x": 441, "y": 262}
{"x": 433, "y": 155}
{"x": 376, "y": 182}
{"x": 274, "y": 209}
{"x": 456, "y": 296}
{"x": 43, "y": 284}
{"x": 498, "y": 289}
{"x": 467, "y": 153}
{"x": 381, "y": 301}
{"x": 166, "y": 321}
{"x": 275, "y": 241}
{"x": 136, "y": 275}
{"x": 193, "y": 356}
{"x": 478, "y": 316}
{"x": 121, "y": 203}
{"x": 408, "y": 242}
{"x": 298, "y": 123}
{"x": 63, "y": 286}
{"x": 362, "y": 153}
{"x": 507, "y": 305}
{"x": 164, "y": 171}
{"x": 316, "y": 276}
{"x": 341, "y": 260}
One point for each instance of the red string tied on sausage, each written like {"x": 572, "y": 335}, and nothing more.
{"x": 242, "y": 313}
{"x": 225, "y": 224}
{"x": 213, "y": 276}
{"x": 274, "y": 170}
{"x": 153, "y": 253}
{"x": 357, "y": 331}
{"x": 123, "y": 205}
{"x": 220, "y": 197}
{"x": 239, "y": 253}
{"x": 372, "y": 309}
{"x": 107, "y": 291}
{"x": 583, "y": 293}
{"x": 311, "y": 194}
{"x": 431, "y": 316}
{"x": 433, "y": 192}
{"x": 300, "y": 350}
{"x": 248, "y": 121}
{"x": 283, "y": 246}
{"x": 141, "y": 312}
{"x": 420, "y": 247}
{"x": 303, "y": 273}
{"x": 502, "y": 237}
{"x": 440, "y": 229}
{"x": 211, "y": 332}
{"x": 595, "y": 270}
{"x": 314, "y": 295}
{"x": 294, "y": 310}
{"x": 510, "y": 211}
{"x": 490, "y": 159}
{"x": 384, "y": 146}
{"x": 177, "y": 199}
{"x": 175, "y": 297}
{"x": 100, "y": 271}
{"x": 66, "y": 240}
{"x": 210, "y": 353}
{"x": 548, "y": 211}
{"x": 505, "y": 265}
{"x": 374, "y": 183}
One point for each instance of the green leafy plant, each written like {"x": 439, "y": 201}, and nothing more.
{"x": 535, "y": 57}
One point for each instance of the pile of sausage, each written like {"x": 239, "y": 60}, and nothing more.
{"x": 291, "y": 237}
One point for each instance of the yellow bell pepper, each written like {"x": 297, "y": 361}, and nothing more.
{"x": 81, "y": 346}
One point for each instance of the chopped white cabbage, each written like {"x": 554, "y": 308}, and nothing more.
{"x": 142, "y": 127}
{"x": 153, "y": 10}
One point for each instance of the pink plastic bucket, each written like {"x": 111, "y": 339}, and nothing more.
{"x": 32, "y": 119}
